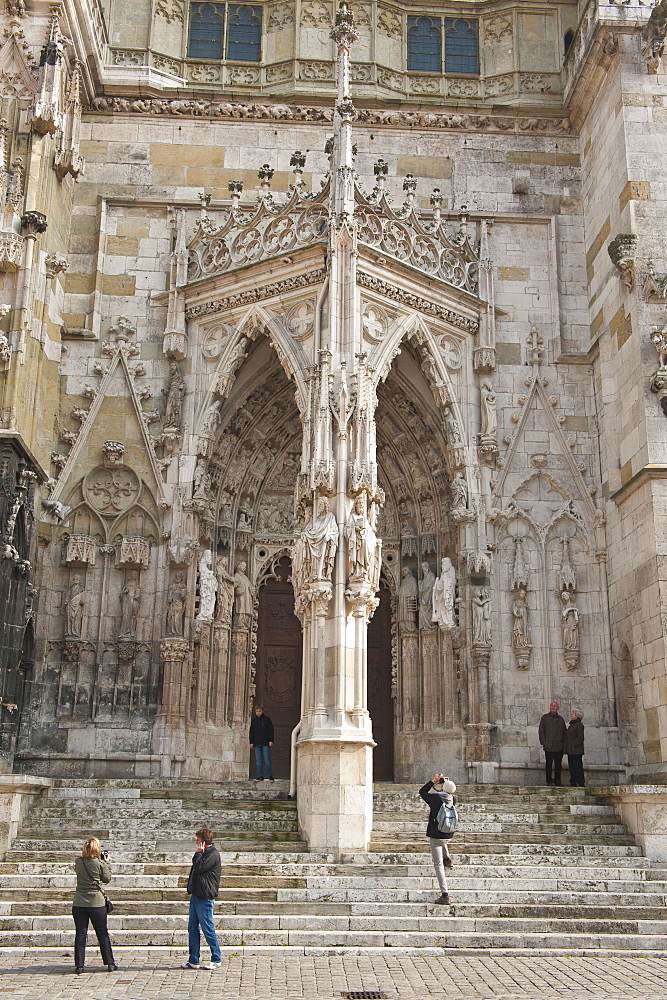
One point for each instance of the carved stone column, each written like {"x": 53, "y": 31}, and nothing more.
{"x": 169, "y": 733}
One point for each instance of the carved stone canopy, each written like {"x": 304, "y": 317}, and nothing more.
{"x": 132, "y": 553}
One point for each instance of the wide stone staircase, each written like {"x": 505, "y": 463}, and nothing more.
{"x": 534, "y": 868}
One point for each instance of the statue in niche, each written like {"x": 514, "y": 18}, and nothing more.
{"x": 452, "y": 429}
{"x": 570, "y": 623}
{"x": 175, "y": 392}
{"x": 201, "y": 480}
{"x": 225, "y": 602}
{"x": 481, "y": 618}
{"x": 444, "y": 595}
{"x": 520, "y": 628}
{"x": 208, "y": 586}
{"x": 361, "y": 542}
{"x": 130, "y": 599}
{"x": 318, "y": 543}
{"x": 426, "y": 585}
{"x": 459, "y": 492}
{"x": 408, "y": 593}
{"x": 211, "y": 420}
{"x": 75, "y": 606}
{"x": 176, "y": 604}
{"x": 243, "y": 597}
{"x": 489, "y": 417}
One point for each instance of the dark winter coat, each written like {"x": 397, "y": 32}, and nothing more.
{"x": 204, "y": 877}
{"x": 553, "y": 732}
{"x": 575, "y": 738}
{"x": 434, "y": 802}
{"x": 261, "y": 731}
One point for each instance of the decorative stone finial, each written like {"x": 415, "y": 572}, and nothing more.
{"x": 622, "y": 254}
{"x": 33, "y": 223}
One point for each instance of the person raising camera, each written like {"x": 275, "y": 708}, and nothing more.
{"x": 441, "y": 825}
{"x": 90, "y": 904}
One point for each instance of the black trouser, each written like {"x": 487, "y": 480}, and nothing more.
{"x": 575, "y": 762}
{"x": 555, "y": 760}
{"x": 98, "y": 918}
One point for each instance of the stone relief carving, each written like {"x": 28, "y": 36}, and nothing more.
{"x": 280, "y": 15}
{"x": 659, "y": 378}
{"x": 80, "y": 550}
{"x": 315, "y": 547}
{"x": 170, "y": 10}
{"x": 497, "y": 28}
{"x": 208, "y": 586}
{"x": 316, "y": 14}
{"x": 132, "y": 552}
{"x": 444, "y": 595}
{"x": 488, "y": 438}
{"x": 130, "y": 599}
{"x": 567, "y": 577}
{"x": 653, "y": 37}
{"x": 176, "y": 598}
{"x": 225, "y": 602}
{"x": 75, "y": 608}
{"x": 390, "y": 22}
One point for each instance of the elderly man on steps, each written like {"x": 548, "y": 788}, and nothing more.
{"x": 553, "y": 737}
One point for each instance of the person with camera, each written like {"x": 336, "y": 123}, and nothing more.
{"x": 203, "y": 885}
{"x": 90, "y": 903}
{"x": 437, "y": 837}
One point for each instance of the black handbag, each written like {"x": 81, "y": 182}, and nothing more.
{"x": 107, "y": 902}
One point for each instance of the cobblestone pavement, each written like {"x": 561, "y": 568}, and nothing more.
{"x": 263, "y": 975}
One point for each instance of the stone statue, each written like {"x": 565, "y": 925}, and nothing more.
{"x": 521, "y": 627}
{"x": 489, "y": 417}
{"x": 130, "y": 598}
{"x": 408, "y": 593}
{"x": 208, "y": 586}
{"x": 569, "y": 622}
{"x": 426, "y": 585}
{"x": 201, "y": 480}
{"x": 444, "y": 595}
{"x": 211, "y": 420}
{"x": 175, "y": 391}
{"x": 225, "y": 602}
{"x": 176, "y": 604}
{"x": 243, "y": 596}
{"x": 319, "y": 541}
{"x": 459, "y": 492}
{"x": 75, "y": 606}
{"x": 361, "y": 542}
{"x": 481, "y": 618}
{"x": 452, "y": 429}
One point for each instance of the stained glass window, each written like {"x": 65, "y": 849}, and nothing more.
{"x": 461, "y": 45}
{"x": 424, "y": 44}
{"x": 207, "y": 22}
{"x": 244, "y": 33}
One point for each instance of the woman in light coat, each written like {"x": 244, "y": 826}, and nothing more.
{"x": 89, "y": 904}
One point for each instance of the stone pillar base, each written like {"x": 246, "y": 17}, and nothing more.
{"x": 17, "y": 793}
{"x": 478, "y": 742}
{"x": 335, "y": 794}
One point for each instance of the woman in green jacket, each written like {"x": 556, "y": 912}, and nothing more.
{"x": 91, "y": 869}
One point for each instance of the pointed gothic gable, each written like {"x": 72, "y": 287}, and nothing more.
{"x": 116, "y": 406}
{"x": 16, "y": 76}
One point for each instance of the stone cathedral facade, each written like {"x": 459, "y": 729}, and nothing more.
{"x": 333, "y": 369}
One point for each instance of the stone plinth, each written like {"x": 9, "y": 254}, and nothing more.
{"x": 643, "y": 809}
{"x": 335, "y": 797}
{"x": 17, "y": 793}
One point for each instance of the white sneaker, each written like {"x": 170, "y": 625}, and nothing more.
{"x": 188, "y": 965}
{"x": 211, "y": 965}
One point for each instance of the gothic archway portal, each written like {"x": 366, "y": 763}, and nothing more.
{"x": 279, "y": 652}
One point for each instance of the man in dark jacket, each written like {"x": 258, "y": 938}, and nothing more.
{"x": 575, "y": 749}
{"x": 203, "y": 884}
{"x": 437, "y": 838}
{"x": 261, "y": 739}
{"x": 553, "y": 734}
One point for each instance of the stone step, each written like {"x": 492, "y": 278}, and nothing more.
{"x": 334, "y": 939}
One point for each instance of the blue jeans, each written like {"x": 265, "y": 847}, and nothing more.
{"x": 201, "y": 915}
{"x": 263, "y": 761}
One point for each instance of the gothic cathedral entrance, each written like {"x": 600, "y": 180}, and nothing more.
{"x": 380, "y": 704}
{"x": 278, "y": 676}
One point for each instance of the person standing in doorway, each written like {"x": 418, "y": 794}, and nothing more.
{"x": 553, "y": 736}
{"x": 261, "y": 740}
{"x": 203, "y": 885}
{"x": 575, "y": 749}
{"x": 437, "y": 838}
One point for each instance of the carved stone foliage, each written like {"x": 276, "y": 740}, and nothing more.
{"x": 390, "y": 22}
{"x": 498, "y": 28}
{"x": 170, "y": 10}
{"x": 622, "y": 251}
{"x": 279, "y": 15}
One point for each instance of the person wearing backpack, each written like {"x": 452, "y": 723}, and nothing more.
{"x": 441, "y": 825}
